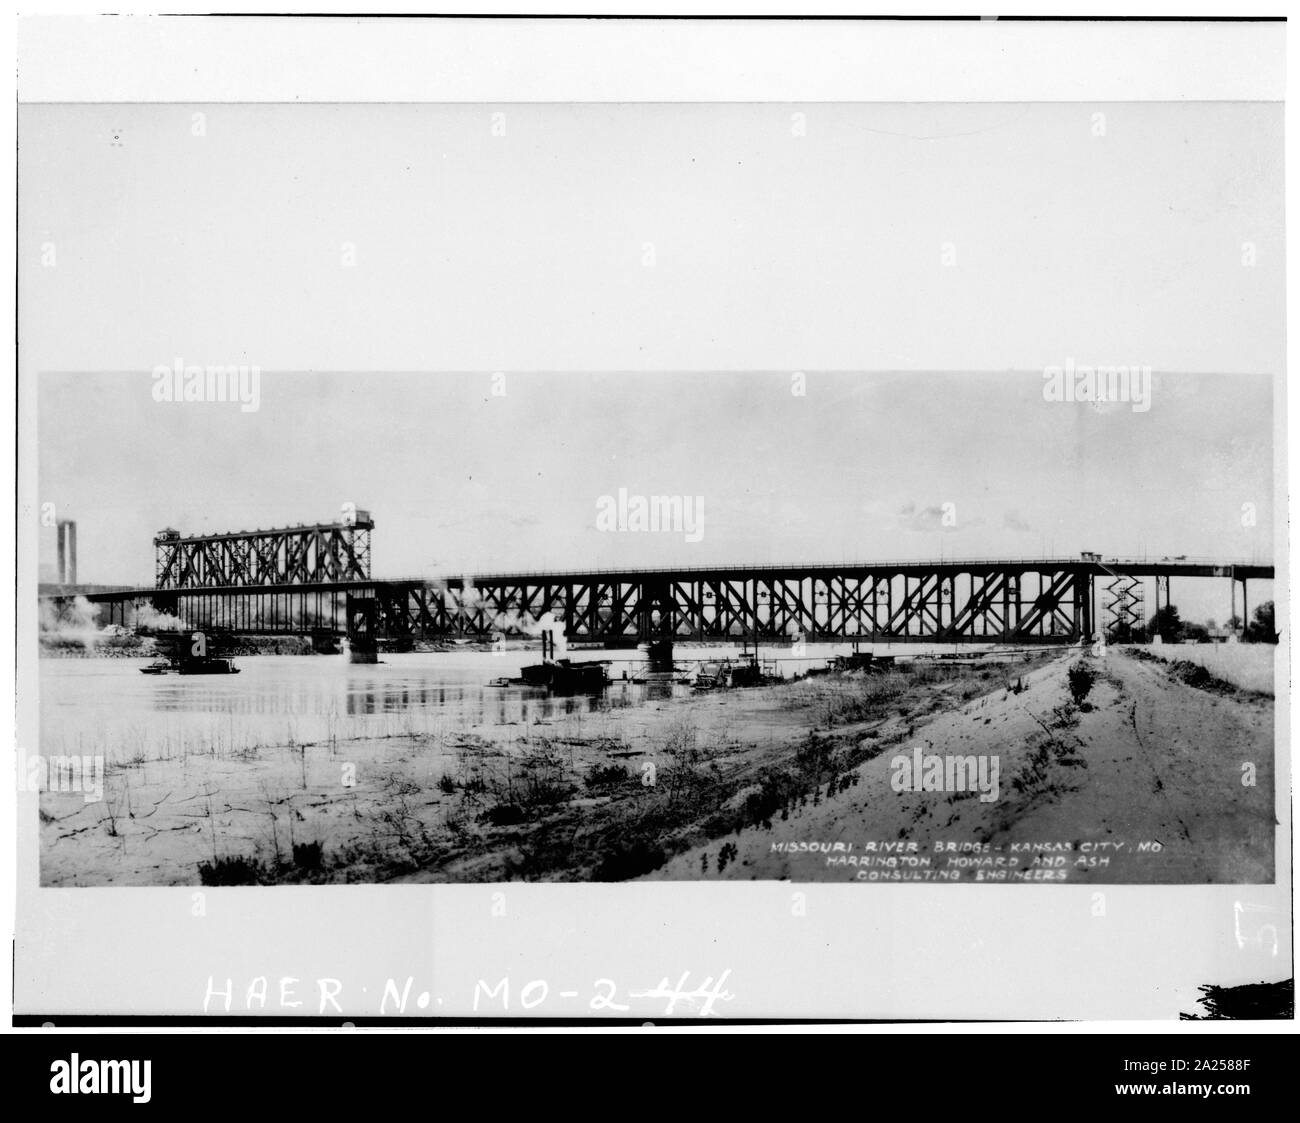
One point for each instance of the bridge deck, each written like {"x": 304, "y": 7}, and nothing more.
{"x": 1128, "y": 567}
{"x": 1021, "y": 600}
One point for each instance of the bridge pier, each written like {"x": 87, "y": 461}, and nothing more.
{"x": 362, "y": 616}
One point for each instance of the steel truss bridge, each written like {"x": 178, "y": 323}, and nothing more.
{"x": 301, "y": 555}
{"x": 313, "y": 579}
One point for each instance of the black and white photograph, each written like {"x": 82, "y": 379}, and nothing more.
{"x": 1065, "y": 677}
{"x": 999, "y": 623}
{"x": 658, "y": 494}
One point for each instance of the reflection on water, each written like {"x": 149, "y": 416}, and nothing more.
{"x": 107, "y": 706}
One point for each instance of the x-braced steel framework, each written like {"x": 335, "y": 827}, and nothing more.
{"x": 301, "y": 555}
{"x": 1024, "y": 605}
{"x": 1125, "y": 612}
{"x": 309, "y": 579}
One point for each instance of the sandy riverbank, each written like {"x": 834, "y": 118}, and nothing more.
{"x": 661, "y": 788}
{"x": 1150, "y": 780}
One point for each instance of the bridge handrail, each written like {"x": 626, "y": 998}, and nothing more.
{"x": 1222, "y": 563}
{"x": 559, "y": 576}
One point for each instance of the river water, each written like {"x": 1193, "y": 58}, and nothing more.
{"x": 106, "y": 707}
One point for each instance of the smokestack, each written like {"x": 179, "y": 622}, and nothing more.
{"x": 66, "y": 531}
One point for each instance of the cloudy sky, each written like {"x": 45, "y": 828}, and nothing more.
{"x": 670, "y": 267}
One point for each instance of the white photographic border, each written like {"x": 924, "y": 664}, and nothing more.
{"x": 878, "y": 952}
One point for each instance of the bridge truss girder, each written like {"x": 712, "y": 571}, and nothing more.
{"x": 292, "y": 556}
{"x": 993, "y": 606}
{"x": 1025, "y": 601}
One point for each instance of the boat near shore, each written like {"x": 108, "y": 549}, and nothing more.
{"x": 561, "y": 676}
{"x": 186, "y": 653}
{"x": 191, "y": 667}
